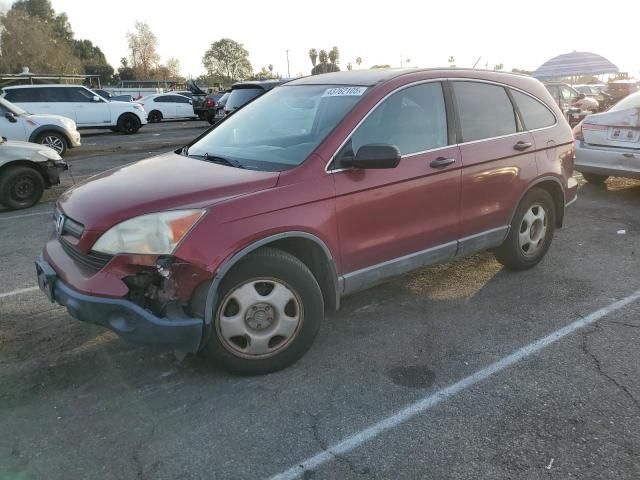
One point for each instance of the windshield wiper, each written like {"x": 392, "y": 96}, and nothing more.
{"x": 218, "y": 159}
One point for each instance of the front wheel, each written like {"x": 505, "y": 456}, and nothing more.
{"x": 595, "y": 178}
{"x": 129, "y": 123}
{"x": 53, "y": 140}
{"x": 531, "y": 232}
{"x": 269, "y": 312}
{"x": 20, "y": 187}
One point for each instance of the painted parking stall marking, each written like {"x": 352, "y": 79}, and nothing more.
{"x": 19, "y": 291}
{"x": 426, "y": 403}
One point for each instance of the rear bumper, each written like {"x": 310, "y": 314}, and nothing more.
{"x": 133, "y": 323}
{"x": 617, "y": 162}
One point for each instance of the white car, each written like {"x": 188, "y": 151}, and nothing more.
{"x": 85, "y": 107}
{"x": 608, "y": 143}
{"x": 167, "y": 105}
{"x": 26, "y": 169}
{"x": 53, "y": 131}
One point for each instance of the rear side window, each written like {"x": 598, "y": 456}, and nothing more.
{"x": 534, "y": 113}
{"x": 179, "y": 99}
{"x": 163, "y": 99}
{"x": 79, "y": 95}
{"x": 52, "y": 94}
{"x": 17, "y": 95}
{"x": 240, "y": 96}
{"x": 485, "y": 111}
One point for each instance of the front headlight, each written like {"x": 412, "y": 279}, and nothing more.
{"x": 154, "y": 234}
{"x": 69, "y": 124}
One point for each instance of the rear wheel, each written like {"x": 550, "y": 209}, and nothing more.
{"x": 531, "y": 232}
{"x": 53, "y": 140}
{"x": 129, "y": 123}
{"x": 595, "y": 178}
{"x": 20, "y": 187}
{"x": 155, "y": 116}
{"x": 269, "y": 312}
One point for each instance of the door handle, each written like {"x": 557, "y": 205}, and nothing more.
{"x": 442, "y": 162}
{"x": 522, "y": 146}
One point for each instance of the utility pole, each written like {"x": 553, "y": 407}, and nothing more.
{"x": 288, "y": 71}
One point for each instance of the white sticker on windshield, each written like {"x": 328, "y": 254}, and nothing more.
{"x": 344, "y": 92}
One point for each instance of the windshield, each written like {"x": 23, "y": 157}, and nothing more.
{"x": 632, "y": 101}
{"x": 279, "y": 130}
{"x": 16, "y": 110}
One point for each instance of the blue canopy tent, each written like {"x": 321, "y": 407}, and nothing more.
{"x": 574, "y": 64}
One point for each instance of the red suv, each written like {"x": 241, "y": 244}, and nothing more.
{"x": 239, "y": 242}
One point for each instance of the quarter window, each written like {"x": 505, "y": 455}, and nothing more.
{"x": 413, "y": 119}
{"x": 534, "y": 113}
{"x": 79, "y": 95}
{"x": 485, "y": 111}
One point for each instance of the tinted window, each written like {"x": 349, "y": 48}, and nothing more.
{"x": 52, "y": 94}
{"x": 240, "y": 96}
{"x": 180, "y": 99}
{"x": 163, "y": 99}
{"x": 413, "y": 119}
{"x": 534, "y": 113}
{"x": 485, "y": 111}
{"x": 78, "y": 95}
{"x": 18, "y": 95}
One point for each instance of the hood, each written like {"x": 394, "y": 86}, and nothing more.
{"x": 166, "y": 182}
{"x": 15, "y": 150}
{"x": 48, "y": 119}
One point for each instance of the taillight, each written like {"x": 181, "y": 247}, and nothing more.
{"x": 211, "y": 102}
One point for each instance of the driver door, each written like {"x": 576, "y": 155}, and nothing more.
{"x": 12, "y": 130}
{"x": 393, "y": 220}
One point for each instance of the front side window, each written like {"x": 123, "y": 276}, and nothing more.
{"x": 413, "y": 119}
{"x": 280, "y": 129}
{"x": 485, "y": 111}
{"x": 79, "y": 95}
{"x": 534, "y": 113}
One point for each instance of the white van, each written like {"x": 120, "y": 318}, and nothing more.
{"x": 80, "y": 104}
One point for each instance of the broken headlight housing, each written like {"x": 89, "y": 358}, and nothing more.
{"x": 152, "y": 234}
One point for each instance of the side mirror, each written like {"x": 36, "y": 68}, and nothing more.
{"x": 11, "y": 117}
{"x": 374, "y": 155}
{"x": 95, "y": 98}
{"x": 190, "y": 102}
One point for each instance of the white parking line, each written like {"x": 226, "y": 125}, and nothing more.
{"x": 27, "y": 215}
{"x": 424, "y": 404}
{"x": 18, "y": 292}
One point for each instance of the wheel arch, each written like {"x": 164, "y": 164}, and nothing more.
{"x": 49, "y": 128}
{"x": 554, "y": 187}
{"x": 308, "y": 248}
{"x": 23, "y": 162}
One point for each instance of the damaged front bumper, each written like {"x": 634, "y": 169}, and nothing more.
{"x": 129, "y": 320}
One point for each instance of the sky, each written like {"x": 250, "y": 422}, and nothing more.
{"x": 516, "y": 33}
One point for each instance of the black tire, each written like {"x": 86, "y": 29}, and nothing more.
{"x": 20, "y": 187}
{"x": 516, "y": 257}
{"x": 54, "y": 140}
{"x": 155, "y": 116}
{"x": 286, "y": 269}
{"x": 114, "y": 129}
{"x": 129, "y": 123}
{"x": 595, "y": 178}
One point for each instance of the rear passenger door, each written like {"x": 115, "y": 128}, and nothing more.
{"x": 498, "y": 159}
{"x": 184, "y": 108}
{"x": 393, "y": 220}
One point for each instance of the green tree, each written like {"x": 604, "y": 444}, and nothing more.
{"x": 29, "y": 41}
{"x": 334, "y": 55}
{"x": 227, "y": 58}
{"x": 313, "y": 55}
{"x": 125, "y": 72}
{"x": 143, "y": 52}
{"x": 358, "y": 61}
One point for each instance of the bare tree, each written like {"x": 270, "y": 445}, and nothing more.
{"x": 143, "y": 50}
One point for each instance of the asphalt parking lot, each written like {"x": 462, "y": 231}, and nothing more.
{"x": 459, "y": 371}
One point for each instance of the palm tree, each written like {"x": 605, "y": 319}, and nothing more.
{"x": 323, "y": 56}
{"x": 270, "y": 67}
{"x": 313, "y": 55}
{"x": 349, "y": 66}
{"x": 358, "y": 61}
{"x": 334, "y": 55}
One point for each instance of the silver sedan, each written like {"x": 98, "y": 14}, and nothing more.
{"x": 608, "y": 143}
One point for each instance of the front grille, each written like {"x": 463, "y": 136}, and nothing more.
{"x": 92, "y": 261}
